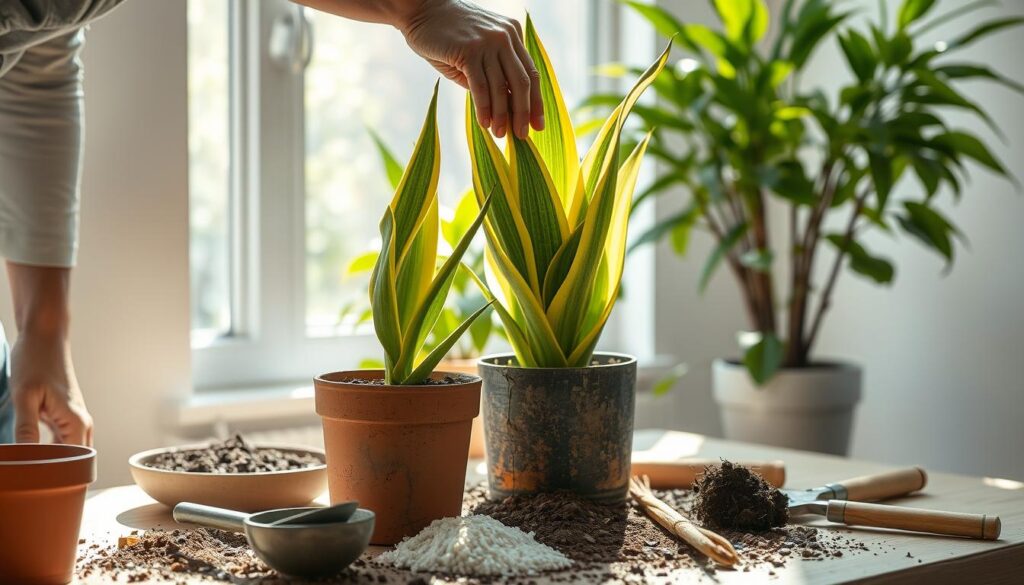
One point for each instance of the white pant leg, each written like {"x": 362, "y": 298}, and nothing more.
{"x": 41, "y": 133}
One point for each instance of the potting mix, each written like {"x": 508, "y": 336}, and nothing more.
{"x": 232, "y": 456}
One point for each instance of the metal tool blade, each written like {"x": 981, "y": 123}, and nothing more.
{"x": 807, "y": 501}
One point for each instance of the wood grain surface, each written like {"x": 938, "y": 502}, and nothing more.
{"x": 892, "y": 557}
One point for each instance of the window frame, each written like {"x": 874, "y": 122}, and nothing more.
{"x": 268, "y": 342}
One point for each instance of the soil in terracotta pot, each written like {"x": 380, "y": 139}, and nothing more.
{"x": 733, "y": 496}
{"x": 446, "y": 380}
{"x": 232, "y": 456}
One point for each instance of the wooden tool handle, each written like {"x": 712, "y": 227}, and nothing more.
{"x": 683, "y": 473}
{"x": 872, "y": 488}
{"x": 980, "y": 526}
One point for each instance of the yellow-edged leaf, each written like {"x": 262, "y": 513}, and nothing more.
{"x": 430, "y": 361}
{"x": 418, "y": 188}
{"x": 539, "y": 204}
{"x": 416, "y": 267}
{"x": 535, "y": 325}
{"x": 382, "y": 293}
{"x": 491, "y": 175}
{"x": 615, "y": 254}
{"x": 557, "y": 142}
{"x": 566, "y": 312}
{"x": 516, "y": 337}
{"x": 426, "y": 313}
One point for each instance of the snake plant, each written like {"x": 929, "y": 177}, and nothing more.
{"x": 407, "y": 287}
{"x": 556, "y": 233}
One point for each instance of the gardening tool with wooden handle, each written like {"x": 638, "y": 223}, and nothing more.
{"x": 866, "y": 488}
{"x": 683, "y": 473}
{"x": 981, "y": 526}
{"x": 707, "y": 542}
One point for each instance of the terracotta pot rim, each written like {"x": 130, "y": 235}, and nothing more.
{"x": 136, "y": 461}
{"x": 68, "y": 466}
{"x": 627, "y": 360}
{"x": 84, "y": 453}
{"x": 323, "y": 378}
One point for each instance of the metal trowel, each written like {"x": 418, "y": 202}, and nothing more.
{"x": 845, "y": 502}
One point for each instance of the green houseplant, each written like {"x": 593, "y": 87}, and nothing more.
{"x": 742, "y": 137}
{"x": 397, "y": 439}
{"x": 557, "y": 416}
{"x": 463, "y": 300}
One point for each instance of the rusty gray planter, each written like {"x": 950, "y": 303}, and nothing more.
{"x": 550, "y": 429}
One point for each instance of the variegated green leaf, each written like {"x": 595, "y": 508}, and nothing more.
{"x": 425, "y": 367}
{"x": 382, "y": 294}
{"x": 557, "y": 142}
{"x": 491, "y": 175}
{"x": 539, "y": 204}
{"x": 418, "y": 188}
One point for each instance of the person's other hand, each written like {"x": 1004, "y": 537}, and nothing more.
{"x": 44, "y": 388}
{"x": 483, "y": 52}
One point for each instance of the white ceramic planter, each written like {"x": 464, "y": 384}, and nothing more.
{"x": 807, "y": 408}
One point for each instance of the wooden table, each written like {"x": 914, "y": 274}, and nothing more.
{"x": 116, "y": 511}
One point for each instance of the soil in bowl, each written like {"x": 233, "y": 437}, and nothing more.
{"x": 232, "y": 456}
{"x": 733, "y": 496}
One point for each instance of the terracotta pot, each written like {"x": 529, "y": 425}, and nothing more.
{"x": 801, "y": 408}
{"x": 551, "y": 429}
{"x": 400, "y": 451}
{"x": 42, "y": 493}
{"x": 477, "y": 447}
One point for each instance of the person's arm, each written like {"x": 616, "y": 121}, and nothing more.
{"x": 478, "y": 49}
{"x": 43, "y": 380}
{"x": 40, "y": 159}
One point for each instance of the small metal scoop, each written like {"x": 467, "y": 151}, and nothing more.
{"x": 308, "y": 550}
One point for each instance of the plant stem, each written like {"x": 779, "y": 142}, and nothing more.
{"x": 826, "y": 295}
{"x": 803, "y": 264}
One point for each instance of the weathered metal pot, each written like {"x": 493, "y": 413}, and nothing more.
{"x": 550, "y": 429}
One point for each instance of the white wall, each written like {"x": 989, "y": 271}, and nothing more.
{"x": 942, "y": 354}
{"x": 130, "y": 310}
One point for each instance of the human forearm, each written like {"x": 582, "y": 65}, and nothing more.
{"x": 40, "y": 295}
{"x": 394, "y": 12}
{"x": 478, "y": 49}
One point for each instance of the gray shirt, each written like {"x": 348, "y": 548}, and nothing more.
{"x": 41, "y": 126}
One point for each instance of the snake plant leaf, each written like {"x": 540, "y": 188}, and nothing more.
{"x": 434, "y": 297}
{"x": 416, "y": 220}
{"x": 539, "y": 204}
{"x": 491, "y": 174}
{"x": 382, "y": 292}
{"x": 516, "y": 337}
{"x": 556, "y": 143}
{"x": 610, "y": 277}
{"x": 430, "y": 362}
{"x": 392, "y": 167}
{"x": 566, "y": 312}
{"x": 566, "y": 218}
{"x": 536, "y": 328}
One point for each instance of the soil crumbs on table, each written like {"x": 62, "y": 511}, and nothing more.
{"x": 609, "y": 543}
{"x": 233, "y": 456}
{"x": 733, "y": 496}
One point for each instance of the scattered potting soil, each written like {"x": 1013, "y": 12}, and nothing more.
{"x": 233, "y": 456}
{"x": 733, "y": 496}
{"x": 609, "y": 543}
{"x": 622, "y": 536}
{"x": 445, "y": 380}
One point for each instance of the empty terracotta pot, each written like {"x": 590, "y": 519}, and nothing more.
{"x": 42, "y": 493}
{"x": 400, "y": 451}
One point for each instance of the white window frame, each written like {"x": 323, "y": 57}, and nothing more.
{"x": 268, "y": 344}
